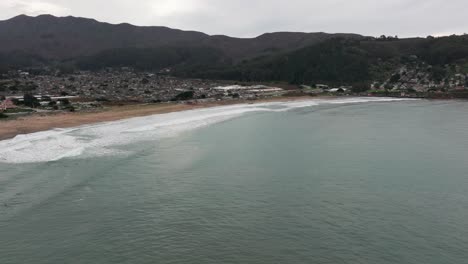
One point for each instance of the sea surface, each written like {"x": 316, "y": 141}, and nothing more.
{"x": 358, "y": 180}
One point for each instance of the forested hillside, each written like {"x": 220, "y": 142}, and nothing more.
{"x": 70, "y": 44}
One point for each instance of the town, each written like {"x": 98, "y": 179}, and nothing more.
{"x": 425, "y": 79}
{"x": 23, "y": 91}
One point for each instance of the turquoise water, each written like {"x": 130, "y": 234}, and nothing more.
{"x": 370, "y": 182}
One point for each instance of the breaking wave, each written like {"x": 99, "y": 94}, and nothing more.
{"x": 105, "y": 138}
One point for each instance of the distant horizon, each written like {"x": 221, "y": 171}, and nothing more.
{"x": 222, "y": 34}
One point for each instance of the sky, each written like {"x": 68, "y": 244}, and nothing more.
{"x": 249, "y": 18}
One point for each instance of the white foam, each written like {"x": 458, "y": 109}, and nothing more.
{"x": 105, "y": 138}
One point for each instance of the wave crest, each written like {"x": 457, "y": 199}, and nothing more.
{"x": 103, "y": 138}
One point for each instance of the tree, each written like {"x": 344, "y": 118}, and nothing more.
{"x": 438, "y": 73}
{"x": 184, "y": 96}
{"x": 66, "y": 68}
{"x": 395, "y": 78}
{"x": 64, "y": 101}
{"x": 411, "y": 90}
{"x": 15, "y": 101}
{"x": 30, "y": 100}
{"x": 28, "y": 87}
{"x": 360, "y": 87}
{"x": 3, "y": 70}
{"x": 388, "y": 86}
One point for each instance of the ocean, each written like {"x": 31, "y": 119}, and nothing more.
{"x": 354, "y": 180}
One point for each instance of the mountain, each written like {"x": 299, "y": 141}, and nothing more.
{"x": 60, "y": 38}
{"x": 70, "y": 43}
{"x": 69, "y": 37}
{"x": 350, "y": 61}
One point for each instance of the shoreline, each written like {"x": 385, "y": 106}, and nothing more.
{"x": 42, "y": 122}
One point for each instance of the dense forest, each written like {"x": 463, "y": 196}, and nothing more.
{"x": 337, "y": 60}
{"x": 344, "y": 61}
{"x": 152, "y": 58}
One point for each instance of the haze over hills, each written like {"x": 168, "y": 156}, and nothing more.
{"x": 80, "y": 43}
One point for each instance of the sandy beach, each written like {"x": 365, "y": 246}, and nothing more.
{"x": 46, "y": 121}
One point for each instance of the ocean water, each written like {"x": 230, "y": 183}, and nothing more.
{"x": 359, "y": 180}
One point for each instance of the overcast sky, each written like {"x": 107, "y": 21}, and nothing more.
{"x": 247, "y": 18}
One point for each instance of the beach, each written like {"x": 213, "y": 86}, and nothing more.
{"x": 45, "y": 121}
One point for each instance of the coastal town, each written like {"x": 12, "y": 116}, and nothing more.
{"x": 425, "y": 79}
{"x": 90, "y": 90}
{"x": 23, "y": 91}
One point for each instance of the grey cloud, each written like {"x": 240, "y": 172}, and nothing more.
{"x": 246, "y": 18}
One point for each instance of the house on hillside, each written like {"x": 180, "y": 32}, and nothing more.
{"x": 322, "y": 86}
{"x": 338, "y": 90}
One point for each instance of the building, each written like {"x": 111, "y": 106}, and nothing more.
{"x": 7, "y": 104}
{"x": 322, "y": 86}
{"x": 338, "y": 90}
